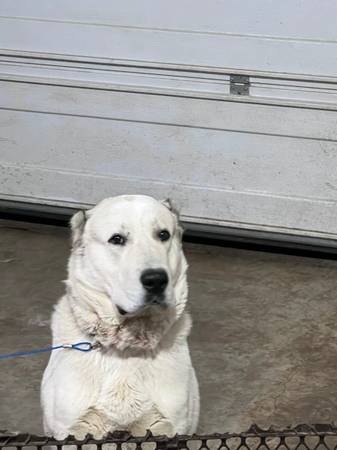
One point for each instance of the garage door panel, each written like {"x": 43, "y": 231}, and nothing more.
{"x": 228, "y": 108}
{"x": 224, "y": 207}
{"x": 166, "y": 47}
{"x": 213, "y": 159}
{"x": 190, "y": 112}
{"x": 222, "y": 16}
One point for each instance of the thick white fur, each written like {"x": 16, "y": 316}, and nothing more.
{"x": 141, "y": 376}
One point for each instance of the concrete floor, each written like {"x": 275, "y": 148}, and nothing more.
{"x": 263, "y": 344}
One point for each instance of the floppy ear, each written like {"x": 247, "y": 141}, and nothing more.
{"x": 77, "y": 224}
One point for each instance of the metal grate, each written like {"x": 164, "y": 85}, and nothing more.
{"x": 301, "y": 437}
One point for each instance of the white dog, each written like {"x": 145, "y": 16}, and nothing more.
{"x": 126, "y": 294}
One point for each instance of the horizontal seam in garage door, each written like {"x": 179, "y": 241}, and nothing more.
{"x": 85, "y": 116}
{"x": 128, "y": 63}
{"x": 193, "y": 94}
{"x": 172, "y": 30}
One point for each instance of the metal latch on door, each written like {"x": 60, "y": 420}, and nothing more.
{"x": 239, "y": 84}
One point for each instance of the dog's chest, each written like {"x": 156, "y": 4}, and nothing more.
{"x": 125, "y": 390}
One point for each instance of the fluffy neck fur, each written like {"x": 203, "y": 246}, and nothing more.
{"x": 97, "y": 318}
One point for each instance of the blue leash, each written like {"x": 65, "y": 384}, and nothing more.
{"x": 80, "y": 346}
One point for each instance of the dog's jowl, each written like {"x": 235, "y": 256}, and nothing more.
{"x": 126, "y": 293}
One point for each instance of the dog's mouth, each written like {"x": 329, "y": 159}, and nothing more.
{"x": 154, "y": 301}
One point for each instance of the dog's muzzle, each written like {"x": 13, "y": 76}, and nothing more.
{"x": 154, "y": 282}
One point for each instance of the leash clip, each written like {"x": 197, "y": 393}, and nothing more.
{"x": 80, "y": 346}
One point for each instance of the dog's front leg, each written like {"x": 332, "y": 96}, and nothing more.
{"x": 93, "y": 421}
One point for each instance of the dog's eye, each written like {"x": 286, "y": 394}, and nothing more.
{"x": 164, "y": 235}
{"x": 117, "y": 239}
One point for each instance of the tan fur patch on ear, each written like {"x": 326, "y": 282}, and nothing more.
{"x": 77, "y": 224}
{"x": 169, "y": 205}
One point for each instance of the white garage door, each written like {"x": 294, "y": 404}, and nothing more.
{"x": 227, "y": 107}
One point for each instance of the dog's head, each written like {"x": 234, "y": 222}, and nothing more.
{"x": 129, "y": 247}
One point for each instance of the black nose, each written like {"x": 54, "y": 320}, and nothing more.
{"x": 154, "y": 280}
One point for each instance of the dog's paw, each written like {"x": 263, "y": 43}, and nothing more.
{"x": 60, "y": 435}
{"x": 79, "y": 432}
{"x": 93, "y": 421}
